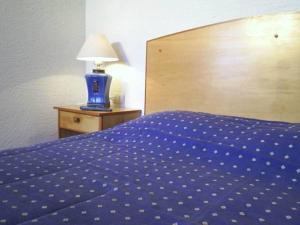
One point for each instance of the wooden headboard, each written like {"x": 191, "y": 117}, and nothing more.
{"x": 248, "y": 67}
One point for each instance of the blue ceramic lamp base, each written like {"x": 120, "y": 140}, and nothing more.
{"x": 98, "y": 85}
{"x": 95, "y": 108}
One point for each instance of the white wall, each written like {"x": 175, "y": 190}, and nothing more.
{"x": 39, "y": 41}
{"x": 131, "y": 23}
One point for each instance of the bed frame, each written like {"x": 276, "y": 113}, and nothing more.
{"x": 247, "y": 67}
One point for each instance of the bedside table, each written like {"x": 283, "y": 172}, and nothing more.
{"x": 73, "y": 121}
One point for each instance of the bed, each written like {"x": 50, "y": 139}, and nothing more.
{"x": 173, "y": 166}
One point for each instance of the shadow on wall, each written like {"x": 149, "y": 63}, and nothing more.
{"x": 117, "y": 46}
{"x": 118, "y": 70}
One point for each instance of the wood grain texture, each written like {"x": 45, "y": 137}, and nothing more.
{"x": 72, "y": 120}
{"x": 113, "y": 120}
{"x": 76, "y": 109}
{"x": 79, "y": 122}
{"x": 248, "y": 67}
{"x": 63, "y": 133}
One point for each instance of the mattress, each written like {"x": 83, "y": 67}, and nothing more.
{"x": 176, "y": 168}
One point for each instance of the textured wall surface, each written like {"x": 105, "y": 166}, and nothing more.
{"x": 39, "y": 41}
{"x": 130, "y": 23}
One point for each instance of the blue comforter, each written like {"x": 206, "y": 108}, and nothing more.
{"x": 170, "y": 168}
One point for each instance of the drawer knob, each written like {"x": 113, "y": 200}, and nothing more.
{"x": 76, "y": 119}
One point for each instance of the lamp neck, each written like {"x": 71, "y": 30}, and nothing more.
{"x": 99, "y": 68}
{"x": 98, "y": 71}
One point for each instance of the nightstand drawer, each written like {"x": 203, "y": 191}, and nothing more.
{"x": 73, "y": 121}
{"x": 79, "y": 122}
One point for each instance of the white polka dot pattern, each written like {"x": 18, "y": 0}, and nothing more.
{"x": 166, "y": 168}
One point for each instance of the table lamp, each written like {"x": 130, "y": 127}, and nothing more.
{"x": 98, "y": 50}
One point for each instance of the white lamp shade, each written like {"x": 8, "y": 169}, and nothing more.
{"x": 98, "y": 49}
